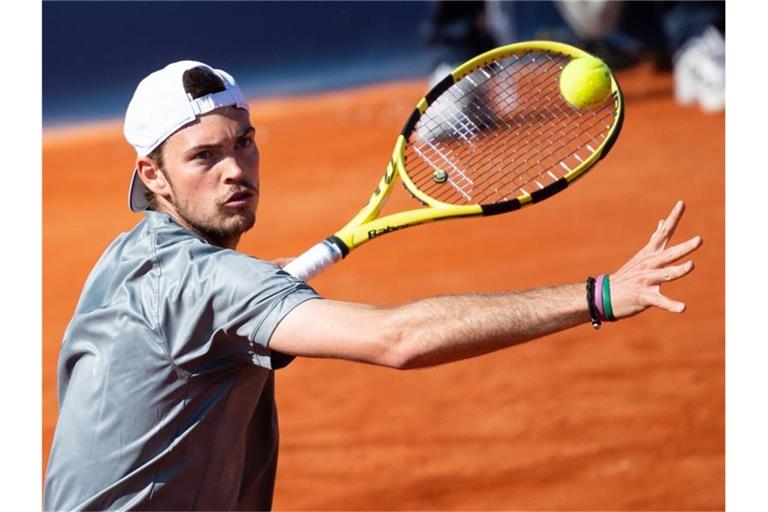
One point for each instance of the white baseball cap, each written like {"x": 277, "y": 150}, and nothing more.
{"x": 160, "y": 106}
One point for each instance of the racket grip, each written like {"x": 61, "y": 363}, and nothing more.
{"x": 316, "y": 259}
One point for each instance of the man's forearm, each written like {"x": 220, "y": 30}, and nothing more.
{"x": 449, "y": 328}
{"x": 443, "y": 329}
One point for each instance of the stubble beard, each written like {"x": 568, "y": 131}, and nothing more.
{"x": 225, "y": 230}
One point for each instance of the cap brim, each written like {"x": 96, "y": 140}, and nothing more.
{"x": 137, "y": 198}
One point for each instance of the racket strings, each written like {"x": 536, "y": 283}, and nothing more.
{"x": 457, "y": 97}
{"x": 457, "y": 114}
{"x": 483, "y": 107}
{"x": 503, "y": 130}
{"x": 477, "y": 160}
{"x": 531, "y": 170}
{"x": 460, "y": 95}
{"x": 532, "y": 135}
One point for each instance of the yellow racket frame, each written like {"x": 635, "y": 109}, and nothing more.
{"x": 365, "y": 225}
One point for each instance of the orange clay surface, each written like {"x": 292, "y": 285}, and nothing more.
{"x": 630, "y": 417}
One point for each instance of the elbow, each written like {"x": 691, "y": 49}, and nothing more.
{"x": 401, "y": 361}
{"x": 397, "y": 342}
{"x": 402, "y": 351}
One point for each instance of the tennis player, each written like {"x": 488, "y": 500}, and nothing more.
{"x": 166, "y": 371}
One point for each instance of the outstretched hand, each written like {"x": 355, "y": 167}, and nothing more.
{"x": 637, "y": 285}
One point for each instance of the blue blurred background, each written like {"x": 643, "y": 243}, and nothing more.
{"x": 94, "y": 53}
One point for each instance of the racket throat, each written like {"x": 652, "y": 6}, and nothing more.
{"x": 337, "y": 246}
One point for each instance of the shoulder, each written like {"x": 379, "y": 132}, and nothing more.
{"x": 186, "y": 262}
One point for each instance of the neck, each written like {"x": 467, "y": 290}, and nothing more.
{"x": 212, "y": 237}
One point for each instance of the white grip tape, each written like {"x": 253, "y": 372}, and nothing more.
{"x": 314, "y": 261}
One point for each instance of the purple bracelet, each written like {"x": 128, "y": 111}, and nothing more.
{"x": 599, "y": 296}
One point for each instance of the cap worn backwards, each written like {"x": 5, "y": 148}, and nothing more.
{"x": 160, "y": 106}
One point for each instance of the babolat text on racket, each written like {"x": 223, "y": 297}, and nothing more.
{"x": 492, "y": 137}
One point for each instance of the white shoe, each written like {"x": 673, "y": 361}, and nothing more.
{"x": 699, "y": 71}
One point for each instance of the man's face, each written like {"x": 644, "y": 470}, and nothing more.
{"x": 212, "y": 167}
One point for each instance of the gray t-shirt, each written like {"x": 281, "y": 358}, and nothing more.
{"x": 166, "y": 388}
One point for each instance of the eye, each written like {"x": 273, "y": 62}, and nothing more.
{"x": 202, "y": 155}
{"x": 244, "y": 142}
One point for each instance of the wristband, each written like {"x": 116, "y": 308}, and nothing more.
{"x": 608, "y": 307}
{"x": 591, "y": 302}
{"x": 599, "y": 296}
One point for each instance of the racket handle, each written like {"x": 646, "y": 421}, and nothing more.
{"x": 316, "y": 259}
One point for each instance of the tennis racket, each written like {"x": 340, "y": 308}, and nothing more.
{"x": 492, "y": 137}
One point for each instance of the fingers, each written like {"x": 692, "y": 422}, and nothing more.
{"x": 670, "y": 224}
{"x": 653, "y": 243}
{"x": 678, "y": 251}
{"x": 660, "y": 301}
{"x": 637, "y": 282}
{"x": 669, "y": 274}
{"x": 667, "y": 227}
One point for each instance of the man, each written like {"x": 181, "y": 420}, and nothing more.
{"x": 166, "y": 397}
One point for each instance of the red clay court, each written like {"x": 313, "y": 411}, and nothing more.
{"x": 630, "y": 417}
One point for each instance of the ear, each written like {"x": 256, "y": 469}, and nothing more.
{"x": 152, "y": 177}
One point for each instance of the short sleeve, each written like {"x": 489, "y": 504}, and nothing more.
{"x": 220, "y": 307}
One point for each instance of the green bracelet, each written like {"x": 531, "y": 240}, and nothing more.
{"x": 607, "y": 306}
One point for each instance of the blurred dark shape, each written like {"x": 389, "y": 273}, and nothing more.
{"x": 456, "y": 32}
{"x": 685, "y": 37}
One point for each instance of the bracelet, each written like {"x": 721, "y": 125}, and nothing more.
{"x": 607, "y": 300}
{"x": 591, "y": 303}
{"x": 599, "y": 296}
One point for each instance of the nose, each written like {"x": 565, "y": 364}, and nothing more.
{"x": 235, "y": 170}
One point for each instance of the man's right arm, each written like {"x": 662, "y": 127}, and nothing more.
{"x": 443, "y": 329}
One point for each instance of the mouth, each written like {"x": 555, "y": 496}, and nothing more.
{"x": 240, "y": 199}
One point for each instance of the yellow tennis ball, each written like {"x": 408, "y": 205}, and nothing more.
{"x": 585, "y": 82}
